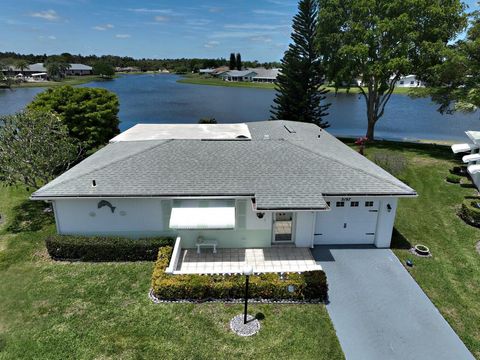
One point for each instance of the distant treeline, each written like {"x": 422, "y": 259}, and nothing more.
{"x": 176, "y": 65}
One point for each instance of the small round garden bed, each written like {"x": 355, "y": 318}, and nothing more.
{"x": 470, "y": 212}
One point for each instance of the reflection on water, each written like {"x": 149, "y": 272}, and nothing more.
{"x": 160, "y": 99}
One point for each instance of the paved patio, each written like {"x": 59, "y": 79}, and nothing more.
{"x": 231, "y": 261}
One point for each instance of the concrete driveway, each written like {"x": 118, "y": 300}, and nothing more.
{"x": 379, "y": 311}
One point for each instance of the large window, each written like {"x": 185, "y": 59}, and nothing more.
{"x": 368, "y": 203}
{"x": 340, "y": 204}
{"x": 354, "y": 204}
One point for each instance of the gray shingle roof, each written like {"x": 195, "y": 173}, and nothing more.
{"x": 292, "y": 168}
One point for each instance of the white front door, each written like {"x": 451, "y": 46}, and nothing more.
{"x": 349, "y": 222}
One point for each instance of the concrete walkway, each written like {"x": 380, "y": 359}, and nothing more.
{"x": 380, "y": 312}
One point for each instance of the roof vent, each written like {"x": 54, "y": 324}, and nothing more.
{"x": 266, "y": 137}
{"x": 94, "y": 183}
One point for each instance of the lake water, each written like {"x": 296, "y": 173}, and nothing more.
{"x": 160, "y": 99}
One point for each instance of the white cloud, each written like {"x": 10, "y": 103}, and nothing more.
{"x": 50, "y": 15}
{"x": 271, "y": 12}
{"x": 161, "y": 18}
{"x": 265, "y": 39}
{"x": 123, "y": 36}
{"x": 215, "y": 9}
{"x": 146, "y": 10}
{"x": 211, "y": 44}
{"x": 198, "y": 22}
{"x": 238, "y": 34}
{"x": 49, "y": 37}
{"x": 251, "y": 26}
{"x": 103, "y": 27}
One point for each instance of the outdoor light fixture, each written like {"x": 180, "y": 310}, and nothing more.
{"x": 247, "y": 271}
{"x": 260, "y": 215}
{"x": 389, "y": 207}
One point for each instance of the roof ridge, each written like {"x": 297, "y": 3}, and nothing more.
{"x": 108, "y": 164}
{"x": 352, "y": 167}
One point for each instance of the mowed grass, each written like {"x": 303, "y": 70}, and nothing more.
{"x": 69, "y": 80}
{"x": 61, "y": 310}
{"x": 207, "y": 80}
{"x": 451, "y": 278}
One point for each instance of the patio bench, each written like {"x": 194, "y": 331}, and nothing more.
{"x": 201, "y": 242}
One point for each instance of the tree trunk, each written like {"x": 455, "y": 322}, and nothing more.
{"x": 371, "y": 130}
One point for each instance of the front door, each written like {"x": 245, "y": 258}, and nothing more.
{"x": 282, "y": 227}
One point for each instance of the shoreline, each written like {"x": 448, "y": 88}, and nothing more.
{"x": 196, "y": 79}
{"x": 71, "y": 80}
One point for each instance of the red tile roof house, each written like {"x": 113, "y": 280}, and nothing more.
{"x": 268, "y": 185}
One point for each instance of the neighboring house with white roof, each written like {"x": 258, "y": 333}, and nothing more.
{"x": 265, "y": 75}
{"x": 409, "y": 81}
{"x": 238, "y": 75}
{"x": 253, "y": 185}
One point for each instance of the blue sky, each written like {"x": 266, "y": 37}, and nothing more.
{"x": 145, "y": 28}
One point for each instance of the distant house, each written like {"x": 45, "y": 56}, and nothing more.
{"x": 127, "y": 69}
{"x": 39, "y": 68}
{"x": 265, "y": 75}
{"x": 409, "y": 81}
{"x": 220, "y": 70}
{"x": 238, "y": 75}
{"x": 206, "y": 71}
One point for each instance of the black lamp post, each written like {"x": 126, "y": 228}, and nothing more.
{"x": 247, "y": 271}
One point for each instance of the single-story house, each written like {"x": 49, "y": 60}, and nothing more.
{"x": 409, "y": 81}
{"x": 472, "y": 155}
{"x": 238, "y": 75}
{"x": 207, "y": 71}
{"x": 265, "y": 75}
{"x": 243, "y": 186}
{"x": 37, "y": 68}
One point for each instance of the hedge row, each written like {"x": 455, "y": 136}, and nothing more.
{"x": 306, "y": 286}
{"x": 101, "y": 248}
{"x": 470, "y": 212}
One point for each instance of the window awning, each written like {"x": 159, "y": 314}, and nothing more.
{"x": 471, "y": 157}
{"x": 473, "y": 169}
{"x": 203, "y": 214}
{"x": 458, "y": 148}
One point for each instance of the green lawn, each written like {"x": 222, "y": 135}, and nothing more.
{"x": 451, "y": 278}
{"x": 55, "y": 310}
{"x": 52, "y": 310}
{"x": 204, "y": 80}
{"x": 70, "y": 80}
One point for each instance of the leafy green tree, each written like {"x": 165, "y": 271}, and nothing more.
{"x": 56, "y": 70}
{"x": 238, "y": 61}
{"x": 103, "y": 69}
{"x": 300, "y": 96}
{"x": 233, "y": 62}
{"x": 372, "y": 43}
{"x": 21, "y": 64}
{"x": 454, "y": 83}
{"x": 90, "y": 114}
{"x": 34, "y": 148}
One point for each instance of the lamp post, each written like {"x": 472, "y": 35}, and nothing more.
{"x": 247, "y": 271}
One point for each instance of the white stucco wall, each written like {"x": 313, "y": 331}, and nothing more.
{"x": 132, "y": 217}
{"x": 385, "y": 222}
{"x": 304, "y": 228}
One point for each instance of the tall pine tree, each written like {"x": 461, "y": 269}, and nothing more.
{"x": 239, "y": 61}
{"x": 232, "y": 64}
{"x": 300, "y": 96}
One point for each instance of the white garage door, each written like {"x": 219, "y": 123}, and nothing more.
{"x": 348, "y": 222}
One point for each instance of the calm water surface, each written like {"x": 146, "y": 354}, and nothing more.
{"x": 160, "y": 99}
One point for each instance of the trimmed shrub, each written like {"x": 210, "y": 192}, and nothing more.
{"x": 470, "y": 212}
{"x": 394, "y": 163}
{"x": 104, "y": 248}
{"x": 306, "y": 286}
{"x": 454, "y": 179}
{"x": 459, "y": 170}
